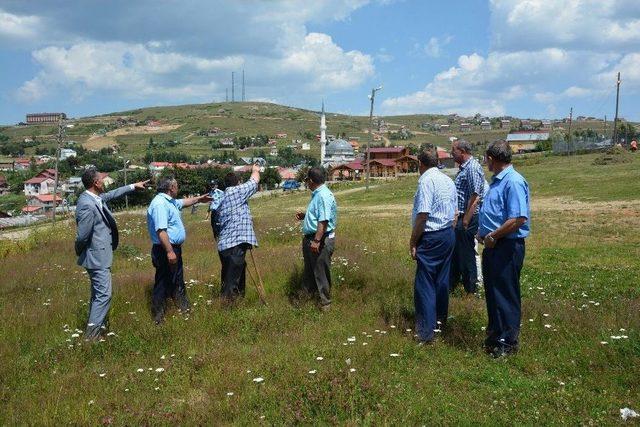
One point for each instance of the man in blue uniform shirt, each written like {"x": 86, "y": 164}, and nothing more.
{"x": 431, "y": 245}
{"x": 167, "y": 234}
{"x": 504, "y": 224}
{"x": 318, "y": 243}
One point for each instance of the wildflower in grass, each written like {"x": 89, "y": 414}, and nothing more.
{"x": 394, "y": 355}
{"x": 76, "y": 335}
{"x": 162, "y": 357}
{"x": 319, "y": 358}
{"x": 102, "y": 375}
{"x": 159, "y": 369}
{"x": 313, "y": 371}
{"x": 348, "y": 361}
{"x": 626, "y": 413}
{"x": 258, "y": 380}
{"x": 545, "y": 314}
{"x": 352, "y": 369}
{"x": 229, "y": 393}
{"x": 351, "y": 339}
{"x": 111, "y": 334}
{"x": 157, "y": 388}
{"x": 140, "y": 370}
{"x": 91, "y": 402}
{"x": 547, "y": 326}
{"x": 604, "y": 342}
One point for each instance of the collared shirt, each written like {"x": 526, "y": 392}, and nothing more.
{"x": 236, "y": 224}
{"x": 507, "y": 198}
{"x": 164, "y": 214}
{"x": 96, "y": 197}
{"x": 216, "y": 196}
{"x": 436, "y": 196}
{"x": 469, "y": 181}
{"x": 322, "y": 207}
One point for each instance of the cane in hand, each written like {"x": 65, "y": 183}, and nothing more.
{"x": 259, "y": 284}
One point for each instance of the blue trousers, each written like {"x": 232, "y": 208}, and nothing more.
{"x": 100, "y": 301}
{"x": 463, "y": 264}
{"x": 431, "y": 288}
{"x": 501, "y": 268}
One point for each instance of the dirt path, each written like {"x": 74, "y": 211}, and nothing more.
{"x": 96, "y": 142}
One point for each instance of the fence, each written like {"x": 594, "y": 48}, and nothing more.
{"x": 580, "y": 145}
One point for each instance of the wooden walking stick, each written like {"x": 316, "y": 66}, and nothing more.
{"x": 259, "y": 284}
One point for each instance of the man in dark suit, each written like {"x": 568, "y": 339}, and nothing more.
{"x": 96, "y": 239}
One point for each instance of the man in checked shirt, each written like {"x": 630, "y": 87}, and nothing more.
{"x": 236, "y": 232}
{"x": 470, "y": 188}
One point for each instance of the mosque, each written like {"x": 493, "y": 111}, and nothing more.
{"x": 336, "y": 152}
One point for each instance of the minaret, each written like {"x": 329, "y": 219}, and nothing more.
{"x": 323, "y": 135}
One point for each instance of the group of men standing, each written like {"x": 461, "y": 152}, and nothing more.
{"x": 448, "y": 218}
{"x": 97, "y": 238}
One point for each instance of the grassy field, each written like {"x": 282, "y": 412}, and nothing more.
{"x": 580, "y": 346}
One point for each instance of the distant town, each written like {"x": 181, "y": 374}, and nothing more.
{"x": 43, "y": 157}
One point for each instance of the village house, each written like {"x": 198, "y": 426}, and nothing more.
{"x": 485, "y": 125}
{"x": 226, "y": 142}
{"x": 465, "y": 127}
{"x": 42, "y": 183}
{"x": 352, "y": 171}
{"x": 42, "y": 203}
{"x": 65, "y": 153}
{"x": 306, "y": 146}
{"x": 281, "y": 135}
{"x": 443, "y": 128}
{"x": 505, "y": 124}
{"x": 445, "y": 158}
{"x": 546, "y": 124}
{"x": 522, "y": 142}
{"x": 38, "y": 118}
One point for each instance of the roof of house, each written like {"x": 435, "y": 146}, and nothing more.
{"x": 46, "y": 197}
{"x": 160, "y": 164}
{"x": 38, "y": 179}
{"x": 29, "y": 209}
{"x": 385, "y": 162}
{"x": 286, "y": 173}
{"x": 408, "y": 156}
{"x": 357, "y": 165}
{"x": 386, "y": 150}
{"x": 528, "y": 136}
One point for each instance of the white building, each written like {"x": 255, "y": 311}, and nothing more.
{"x": 306, "y": 146}
{"x": 337, "y": 152}
{"x": 65, "y": 153}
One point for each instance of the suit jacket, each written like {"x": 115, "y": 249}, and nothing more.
{"x": 97, "y": 233}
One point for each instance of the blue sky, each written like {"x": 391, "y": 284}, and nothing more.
{"x": 527, "y": 58}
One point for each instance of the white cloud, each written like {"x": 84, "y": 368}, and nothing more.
{"x": 542, "y": 51}
{"x": 183, "y": 53}
{"x": 18, "y": 26}
{"x": 434, "y": 46}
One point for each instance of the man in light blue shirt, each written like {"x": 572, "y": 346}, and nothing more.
{"x": 504, "y": 224}
{"x": 431, "y": 245}
{"x": 318, "y": 242}
{"x": 167, "y": 234}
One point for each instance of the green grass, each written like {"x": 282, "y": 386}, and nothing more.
{"x": 580, "y": 270}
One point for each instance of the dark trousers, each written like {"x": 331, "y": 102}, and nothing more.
{"x": 431, "y": 289}
{"x": 169, "y": 280}
{"x": 317, "y": 268}
{"x": 501, "y": 268}
{"x": 463, "y": 263}
{"x": 234, "y": 269}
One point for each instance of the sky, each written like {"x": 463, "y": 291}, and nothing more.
{"x": 524, "y": 58}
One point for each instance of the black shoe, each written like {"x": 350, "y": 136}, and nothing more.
{"x": 158, "y": 316}
{"x": 503, "y": 351}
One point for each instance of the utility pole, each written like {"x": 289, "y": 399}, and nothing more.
{"x": 243, "y": 85}
{"x": 233, "y": 86}
{"x": 372, "y": 98}
{"x": 615, "y": 120}
{"x": 569, "y": 143}
{"x": 226, "y": 94}
{"x": 605, "y": 126}
{"x": 55, "y": 185}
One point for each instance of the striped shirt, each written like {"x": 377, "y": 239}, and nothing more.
{"x": 234, "y": 217}
{"x": 436, "y": 196}
{"x": 469, "y": 181}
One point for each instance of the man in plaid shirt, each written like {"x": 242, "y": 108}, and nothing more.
{"x": 470, "y": 187}
{"x": 236, "y": 232}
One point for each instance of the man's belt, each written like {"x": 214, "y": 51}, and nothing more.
{"x": 329, "y": 235}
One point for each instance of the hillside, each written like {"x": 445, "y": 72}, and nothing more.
{"x": 178, "y": 128}
{"x": 579, "y": 361}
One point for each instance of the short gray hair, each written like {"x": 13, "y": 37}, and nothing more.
{"x": 165, "y": 183}
{"x": 500, "y": 151}
{"x": 464, "y": 146}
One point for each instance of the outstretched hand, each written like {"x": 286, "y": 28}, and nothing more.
{"x": 205, "y": 198}
{"x": 141, "y": 185}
